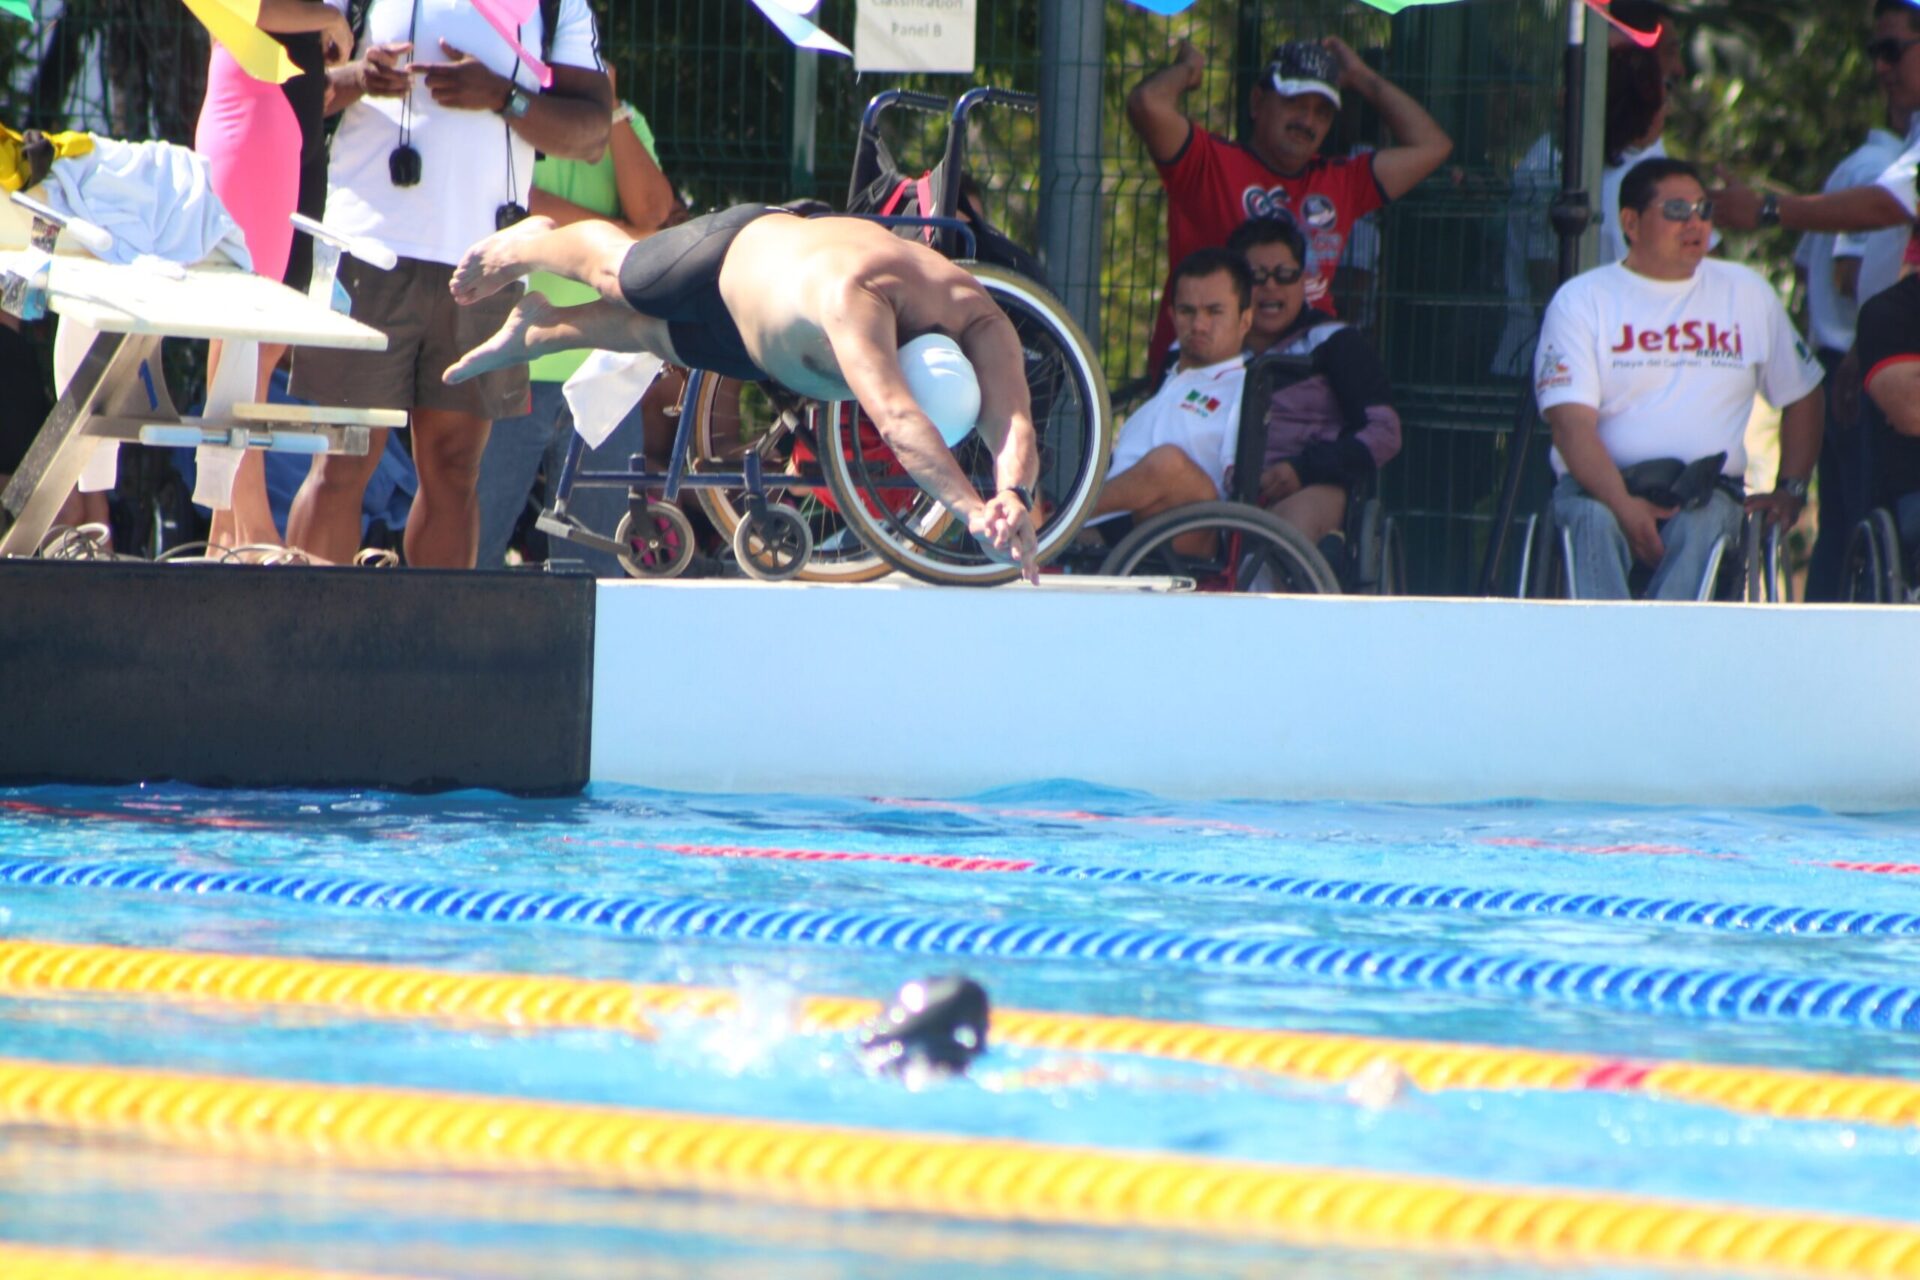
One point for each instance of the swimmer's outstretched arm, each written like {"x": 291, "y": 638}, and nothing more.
{"x": 1006, "y": 406}
{"x": 861, "y": 326}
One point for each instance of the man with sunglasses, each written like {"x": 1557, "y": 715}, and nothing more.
{"x": 1213, "y": 185}
{"x": 1842, "y": 273}
{"x": 1652, "y": 363}
{"x": 1887, "y": 201}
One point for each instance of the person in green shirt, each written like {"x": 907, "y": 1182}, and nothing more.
{"x": 627, "y": 188}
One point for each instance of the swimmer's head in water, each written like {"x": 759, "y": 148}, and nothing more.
{"x": 938, "y": 1023}
{"x": 943, "y": 383}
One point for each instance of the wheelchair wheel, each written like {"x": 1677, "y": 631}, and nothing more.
{"x": 1252, "y": 550}
{"x": 1546, "y": 562}
{"x": 773, "y": 545}
{"x": 1072, "y": 421}
{"x": 1380, "y": 566}
{"x": 732, "y": 417}
{"x": 1873, "y": 565}
{"x": 659, "y": 543}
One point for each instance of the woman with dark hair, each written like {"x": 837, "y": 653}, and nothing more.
{"x": 267, "y": 158}
{"x": 1636, "y": 115}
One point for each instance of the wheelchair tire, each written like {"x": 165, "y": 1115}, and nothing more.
{"x": 1072, "y": 420}
{"x": 774, "y": 545}
{"x": 1873, "y": 566}
{"x": 1250, "y": 541}
{"x": 1393, "y": 546}
{"x": 659, "y": 544}
{"x": 1547, "y": 562}
{"x": 728, "y": 420}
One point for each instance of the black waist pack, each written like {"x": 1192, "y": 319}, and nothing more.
{"x": 1669, "y": 482}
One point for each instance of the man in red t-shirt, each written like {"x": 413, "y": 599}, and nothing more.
{"x": 1213, "y": 186}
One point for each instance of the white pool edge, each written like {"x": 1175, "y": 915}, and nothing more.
{"x": 741, "y": 687}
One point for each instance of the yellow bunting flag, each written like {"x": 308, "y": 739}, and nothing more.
{"x": 235, "y": 24}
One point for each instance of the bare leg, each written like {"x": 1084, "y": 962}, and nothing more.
{"x": 325, "y": 520}
{"x": 1165, "y": 478}
{"x": 248, "y": 520}
{"x": 1317, "y": 510}
{"x": 537, "y": 328}
{"x": 443, "y": 531}
{"x": 590, "y": 252}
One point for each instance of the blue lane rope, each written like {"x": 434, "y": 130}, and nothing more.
{"x": 1757, "y": 918}
{"x": 1700, "y": 993}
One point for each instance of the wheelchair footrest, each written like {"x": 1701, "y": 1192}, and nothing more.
{"x": 560, "y": 527}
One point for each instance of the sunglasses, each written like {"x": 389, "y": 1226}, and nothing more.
{"x": 1279, "y": 275}
{"x": 1889, "y": 49}
{"x": 1681, "y": 210}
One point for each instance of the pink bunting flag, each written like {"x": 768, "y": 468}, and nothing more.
{"x": 505, "y": 16}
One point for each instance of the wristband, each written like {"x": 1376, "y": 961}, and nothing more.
{"x": 623, "y": 112}
{"x": 1769, "y": 210}
{"x": 1020, "y": 492}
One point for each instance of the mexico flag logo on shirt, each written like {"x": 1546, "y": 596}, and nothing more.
{"x": 1200, "y": 402}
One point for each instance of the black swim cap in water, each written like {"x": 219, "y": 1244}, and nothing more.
{"x": 940, "y": 1022}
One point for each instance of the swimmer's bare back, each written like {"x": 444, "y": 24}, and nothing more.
{"x": 823, "y": 304}
{"x": 785, "y": 279}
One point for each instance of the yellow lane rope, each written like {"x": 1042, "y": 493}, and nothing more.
{"x": 30, "y": 1262}
{"x": 84, "y": 1170}
{"x": 872, "y": 1170}
{"x": 39, "y": 968}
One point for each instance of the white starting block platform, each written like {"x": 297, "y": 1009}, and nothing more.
{"x": 118, "y": 393}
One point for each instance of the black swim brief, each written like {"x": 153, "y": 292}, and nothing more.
{"x": 674, "y": 275}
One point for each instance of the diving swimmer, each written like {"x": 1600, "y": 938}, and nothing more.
{"x": 822, "y": 306}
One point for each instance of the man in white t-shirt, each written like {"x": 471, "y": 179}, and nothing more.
{"x": 440, "y": 119}
{"x": 1177, "y": 448}
{"x": 1656, "y": 357}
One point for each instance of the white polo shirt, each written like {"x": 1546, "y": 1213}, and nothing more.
{"x": 1197, "y": 409}
{"x": 471, "y": 162}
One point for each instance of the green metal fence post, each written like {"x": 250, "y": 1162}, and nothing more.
{"x": 803, "y": 114}
{"x": 1073, "y": 55}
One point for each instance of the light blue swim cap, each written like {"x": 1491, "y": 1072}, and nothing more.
{"x": 943, "y": 383}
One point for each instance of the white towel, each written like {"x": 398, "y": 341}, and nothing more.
{"x": 154, "y": 197}
{"x": 604, "y": 389}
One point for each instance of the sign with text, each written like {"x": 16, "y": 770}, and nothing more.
{"x": 914, "y": 35}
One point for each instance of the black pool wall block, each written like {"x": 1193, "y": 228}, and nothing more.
{"x": 286, "y": 676}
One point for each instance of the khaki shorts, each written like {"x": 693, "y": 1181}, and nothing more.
{"x": 426, "y": 332}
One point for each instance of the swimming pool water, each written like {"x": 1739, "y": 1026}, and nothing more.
{"x": 633, "y": 843}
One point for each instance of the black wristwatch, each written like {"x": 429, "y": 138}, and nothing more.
{"x": 1792, "y": 487}
{"x": 1769, "y": 210}
{"x": 1020, "y": 492}
{"x": 517, "y": 104}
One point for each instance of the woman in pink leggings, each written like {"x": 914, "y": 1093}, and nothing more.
{"x": 264, "y": 146}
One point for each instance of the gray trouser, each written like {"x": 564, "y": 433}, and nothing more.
{"x": 1600, "y": 557}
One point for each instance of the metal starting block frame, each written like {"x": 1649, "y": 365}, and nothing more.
{"x": 117, "y": 393}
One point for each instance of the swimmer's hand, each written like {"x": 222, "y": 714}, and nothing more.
{"x": 1003, "y": 527}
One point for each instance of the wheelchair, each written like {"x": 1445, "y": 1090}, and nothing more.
{"x": 1879, "y": 564}
{"x": 1750, "y": 569}
{"x": 808, "y": 490}
{"x": 1252, "y": 549}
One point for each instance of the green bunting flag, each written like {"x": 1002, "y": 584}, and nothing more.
{"x": 18, "y": 8}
